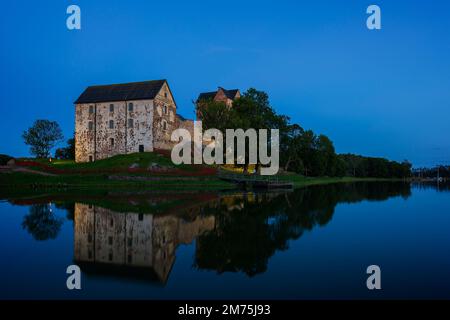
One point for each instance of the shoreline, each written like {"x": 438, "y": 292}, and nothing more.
{"x": 17, "y": 181}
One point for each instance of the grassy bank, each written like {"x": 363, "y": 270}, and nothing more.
{"x": 301, "y": 181}
{"x": 139, "y": 171}
{"x": 17, "y": 180}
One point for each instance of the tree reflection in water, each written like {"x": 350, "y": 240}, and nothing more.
{"x": 42, "y": 223}
{"x": 248, "y": 235}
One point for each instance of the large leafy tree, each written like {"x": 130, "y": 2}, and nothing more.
{"x": 42, "y": 137}
{"x": 290, "y": 148}
{"x": 216, "y": 115}
{"x": 253, "y": 111}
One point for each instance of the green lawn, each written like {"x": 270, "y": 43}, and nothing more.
{"x": 93, "y": 177}
{"x": 142, "y": 160}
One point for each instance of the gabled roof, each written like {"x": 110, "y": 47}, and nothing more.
{"x": 207, "y": 95}
{"x": 230, "y": 94}
{"x": 120, "y": 92}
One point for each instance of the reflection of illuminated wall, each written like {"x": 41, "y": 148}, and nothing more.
{"x": 102, "y": 235}
{"x": 132, "y": 239}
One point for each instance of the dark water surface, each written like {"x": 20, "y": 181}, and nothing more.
{"x": 311, "y": 243}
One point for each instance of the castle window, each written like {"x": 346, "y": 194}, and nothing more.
{"x": 111, "y": 142}
{"x": 140, "y": 217}
{"x": 130, "y": 242}
{"x": 164, "y": 125}
{"x": 91, "y": 109}
{"x": 130, "y": 123}
{"x": 110, "y": 241}
{"x": 111, "y": 222}
{"x": 90, "y": 159}
{"x": 165, "y": 94}
{"x": 91, "y": 125}
{"x": 165, "y": 109}
{"x": 89, "y": 238}
{"x": 111, "y": 107}
{"x": 130, "y": 106}
{"x": 111, "y": 124}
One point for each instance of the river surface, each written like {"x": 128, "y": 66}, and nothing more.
{"x": 311, "y": 243}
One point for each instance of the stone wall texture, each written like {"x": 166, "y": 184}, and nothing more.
{"x": 108, "y": 128}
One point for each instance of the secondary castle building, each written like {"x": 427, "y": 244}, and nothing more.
{"x": 220, "y": 95}
{"x": 125, "y": 118}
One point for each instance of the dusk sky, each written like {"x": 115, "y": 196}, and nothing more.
{"x": 373, "y": 92}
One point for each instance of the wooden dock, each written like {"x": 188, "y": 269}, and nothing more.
{"x": 255, "y": 181}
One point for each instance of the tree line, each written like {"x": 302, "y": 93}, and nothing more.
{"x": 441, "y": 171}
{"x": 301, "y": 151}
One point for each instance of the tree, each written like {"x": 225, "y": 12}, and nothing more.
{"x": 215, "y": 115}
{"x": 253, "y": 110}
{"x": 42, "y": 137}
{"x": 325, "y": 157}
{"x": 67, "y": 152}
{"x": 290, "y": 147}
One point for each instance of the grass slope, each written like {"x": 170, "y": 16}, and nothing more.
{"x": 95, "y": 175}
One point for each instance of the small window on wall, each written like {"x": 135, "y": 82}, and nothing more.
{"x": 165, "y": 94}
{"x": 164, "y": 125}
{"x": 90, "y": 159}
{"x": 111, "y": 107}
{"x": 111, "y": 142}
{"x": 91, "y": 109}
{"x": 130, "y": 106}
{"x": 130, "y": 123}
{"x": 165, "y": 109}
{"x": 91, "y": 125}
{"x": 111, "y": 124}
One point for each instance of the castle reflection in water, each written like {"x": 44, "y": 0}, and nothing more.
{"x": 108, "y": 240}
{"x": 103, "y": 236}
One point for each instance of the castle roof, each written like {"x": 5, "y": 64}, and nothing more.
{"x": 230, "y": 94}
{"x": 121, "y": 92}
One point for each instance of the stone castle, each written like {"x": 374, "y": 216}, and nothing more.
{"x": 131, "y": 117}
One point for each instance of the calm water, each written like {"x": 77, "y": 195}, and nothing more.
{"x": 310, "y": 243}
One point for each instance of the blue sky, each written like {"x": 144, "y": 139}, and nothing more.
{"x": 378, "y": 93}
